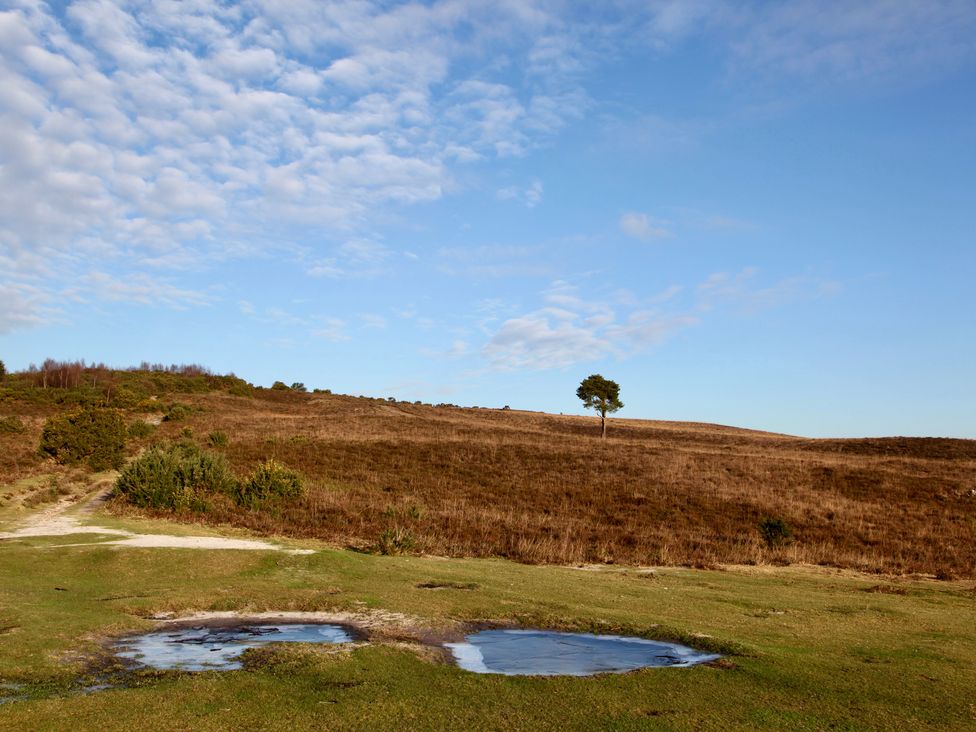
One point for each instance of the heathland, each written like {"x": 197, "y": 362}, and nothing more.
{"x": 836, "y": 576}
{"x": 534, "y": 487}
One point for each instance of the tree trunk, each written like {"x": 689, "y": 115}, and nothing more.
{"x": 603, "y": 425}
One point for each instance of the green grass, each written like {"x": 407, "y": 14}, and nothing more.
{"x": 815, "y": 649}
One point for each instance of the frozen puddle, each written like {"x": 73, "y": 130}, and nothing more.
{"x": 547, "y": 653}
{"x": 216, "y": 648}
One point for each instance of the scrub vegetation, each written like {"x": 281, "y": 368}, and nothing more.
{"x": 536, "y": 487}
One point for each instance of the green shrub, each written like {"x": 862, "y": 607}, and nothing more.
{"x": 217, "y": 439}
{"x": 178, "y": 477}
{"x": 12, "y": 425}
{"x": 775, "y": 532}
{"x": 124, "y": 398}
{"x": 242, "y": 389}
{"x": 395, "y": 540}
{"x": 140, "y": 429}
{"x": 95, "y": 436}
{"x": 271, "y": 481}
{"x": 280, "y": 386}
{"x": 176, "y": 412}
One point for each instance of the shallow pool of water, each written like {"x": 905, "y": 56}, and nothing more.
{"x": 215, "y": 648}
{"x": 548, "y": 653}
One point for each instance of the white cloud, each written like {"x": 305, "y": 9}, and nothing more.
{"x": 848, "y": 41}
{"x": 571, "y": 329}
{"x": 530, "y": 196}
{"x": 371, "y": 320}
{"x": 331, "y": 329}
{"x": 354, "y": 258}
{"x": 742, "y": 292}
{"x": 141, "y": 289}
{"x": 153, "y": 133}
{"x": 22, "y": 306}
{"x": 639, "y": 226}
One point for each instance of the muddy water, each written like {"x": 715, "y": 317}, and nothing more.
{"x": 217, "y": 648}
{"x": 548, "y": 653}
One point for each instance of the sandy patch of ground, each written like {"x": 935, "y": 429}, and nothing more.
{"x": 55, "y": 521}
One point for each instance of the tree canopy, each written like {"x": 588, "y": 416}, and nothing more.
{"x": 602, "y": 395}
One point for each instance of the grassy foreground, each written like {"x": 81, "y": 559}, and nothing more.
{"x": 817, "y": 648}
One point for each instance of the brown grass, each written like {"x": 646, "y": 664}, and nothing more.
{"x": 543, "y": 488}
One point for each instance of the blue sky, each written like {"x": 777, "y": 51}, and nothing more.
{"x": 750, "y": 213}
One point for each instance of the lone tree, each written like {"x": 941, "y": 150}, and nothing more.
{"x": 602, "y": 395}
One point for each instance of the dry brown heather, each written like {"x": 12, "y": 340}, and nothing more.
{"x": 544, "y": 488}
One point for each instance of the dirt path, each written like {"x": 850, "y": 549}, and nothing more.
{"x": 57, "y": 521}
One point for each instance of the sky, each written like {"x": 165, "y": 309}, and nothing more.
{"x": 749, "y": 213}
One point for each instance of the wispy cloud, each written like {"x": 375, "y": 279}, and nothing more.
{"x": 331, "y": 329}
{"x": 530, "y": 196}
{"x": 742, "y": 291}
{"x": 569, "y": 328}
{"x": 371, "y": 320}
{"x": 354, "y": 258}
{"x": 494, "y": 260}
{"x": 848, "y": 41}
{"x": 23, "y": 306}
{"x": 640, "y": 226}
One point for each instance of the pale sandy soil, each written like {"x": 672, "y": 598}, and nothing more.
{"x": 57, "y": 521}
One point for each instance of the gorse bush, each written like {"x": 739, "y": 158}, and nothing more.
{"x": 95, "y": 436}
{"x": 179, "y": 477}
{"x": 241, "y": 390}
{"x": 775, "y": 532}
{"x": 141, "y": 429}
{"x": 271, "y": 481}
{"x": 182, "y": 477}
{"x": 217, "y": 439}
{"x": 176, "y": 412}
{"x": 13, "y": 425}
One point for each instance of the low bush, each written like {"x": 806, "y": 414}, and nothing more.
{"x": 271, "y": 481}
{"x": 12, "y": 425}
{"x": 176, "y": 412}
{"x": 140, "y": 429}
{"x": 242, "y": 389}
{"x": 395, "y": 540}
{"x": 178, "y": 477}
{"x": 95, "y": 436}
{"x": 775, "y": 532}
{"x": 217, "y": 439}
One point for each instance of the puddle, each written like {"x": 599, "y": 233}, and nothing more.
{"x": 9, "y": 692}
{"x": 548, "y": 653}
{"x": 219, "y": 648}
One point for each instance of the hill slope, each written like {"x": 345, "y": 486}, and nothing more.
{"x": 544, "y": 488}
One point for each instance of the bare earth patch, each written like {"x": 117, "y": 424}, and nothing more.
{"x": 56, "y": 521}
